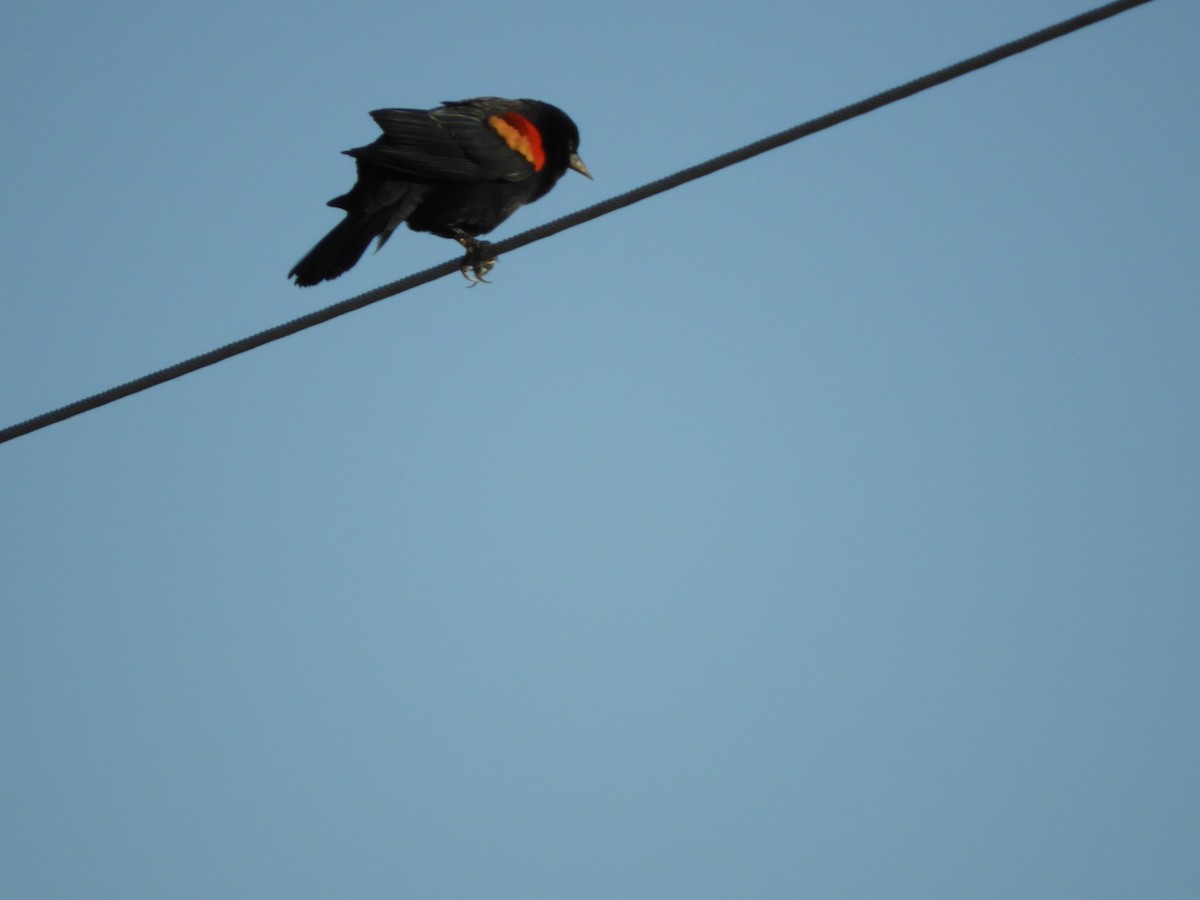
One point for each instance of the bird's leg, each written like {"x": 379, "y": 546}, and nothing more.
{"x": 479, "y": 260}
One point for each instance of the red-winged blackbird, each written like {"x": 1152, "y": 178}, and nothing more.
{"x": 457, "y": 171}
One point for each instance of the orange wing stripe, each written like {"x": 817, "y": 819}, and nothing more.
{"x": 522, "y": 136}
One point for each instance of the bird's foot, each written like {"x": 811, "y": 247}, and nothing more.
{"x": 480, "y": 258}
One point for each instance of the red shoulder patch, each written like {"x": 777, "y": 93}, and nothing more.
{"x": 520, "y": 135}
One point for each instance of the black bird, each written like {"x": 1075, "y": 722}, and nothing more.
{"x": 457, "y": 171}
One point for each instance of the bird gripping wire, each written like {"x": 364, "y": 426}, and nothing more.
{"x": 787, "y": 136}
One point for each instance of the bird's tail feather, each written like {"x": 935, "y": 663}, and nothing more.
{"x": 335, "y": 253}
{"x": 373, "y": 207}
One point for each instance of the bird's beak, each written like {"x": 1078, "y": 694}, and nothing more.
{"x": 577, "y": 164}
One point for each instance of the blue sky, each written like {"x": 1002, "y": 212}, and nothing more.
{"x": 826, "y": 527}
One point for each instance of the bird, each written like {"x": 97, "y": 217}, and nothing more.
{"x": 456, "y": 171}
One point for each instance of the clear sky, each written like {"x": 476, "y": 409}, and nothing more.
{"x": 825, "y": 528}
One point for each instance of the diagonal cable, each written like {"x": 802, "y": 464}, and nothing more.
{"x": 812, "y": 126}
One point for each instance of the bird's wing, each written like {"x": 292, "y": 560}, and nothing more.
{"x": 455, "y": 143}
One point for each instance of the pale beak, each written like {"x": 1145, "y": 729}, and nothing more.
{"x": 577, "y": 164}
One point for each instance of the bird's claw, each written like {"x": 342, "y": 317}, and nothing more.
{"x": 474, "y": 268}
{"x": 479, "y": 260}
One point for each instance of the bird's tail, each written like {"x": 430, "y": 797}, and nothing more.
{"x": 372, "y": 208}
{"x": 335, "y": 253}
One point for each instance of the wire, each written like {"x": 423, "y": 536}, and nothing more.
{"x": 577, "y": 218}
